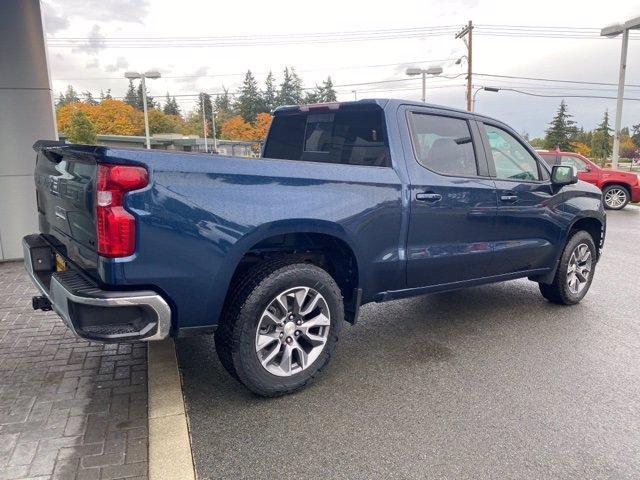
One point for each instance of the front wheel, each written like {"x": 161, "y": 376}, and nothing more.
{"x": 615, "y": 197}
{"x": 280, "y": 327}
{"x": 575, "y": 271}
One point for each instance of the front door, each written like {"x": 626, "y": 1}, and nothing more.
{"x": 452, "y": 199}
{"x": 585, "y": 172}
{"x": 528, "y": 222}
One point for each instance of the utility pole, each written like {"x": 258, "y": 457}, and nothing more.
{"x": 467, "y": 31}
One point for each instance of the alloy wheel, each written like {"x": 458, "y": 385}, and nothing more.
{"x": 292, "y": 331}
{"x": 579, "y": 268}
{"x": 615, "y": 197}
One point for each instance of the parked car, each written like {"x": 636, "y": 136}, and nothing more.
{"x": 618, "y": 188}
{"x": 352, "y": 203}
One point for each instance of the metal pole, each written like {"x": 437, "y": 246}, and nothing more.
{"x": 623, "y": 68}
{"x": 470, "y": 67}
{"x": 204, "y": 124}
{"x": 146, "y": 113}
{"x": 213, "y": 127}
{"x": 355, "y": 94}
{"x": 424, "y": 86}
{"x": 473, "y": 102}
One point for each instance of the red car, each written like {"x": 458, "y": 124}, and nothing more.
{"x": 618, "y": 188}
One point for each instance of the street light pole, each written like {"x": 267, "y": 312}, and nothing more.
{"x": 204, "y": 124}
{"x": 614, "y": 31}
{"x": 488, "y": 89}
{"x": 146, "y": 113}
{"x": 621, "y": 77}
{"x": 412, "y": 71}
{"x": 143, "y": 76}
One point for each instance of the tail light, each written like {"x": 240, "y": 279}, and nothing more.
{"x": 115, "y": 227}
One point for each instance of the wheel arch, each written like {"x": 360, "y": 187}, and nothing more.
{"x": 322, "y": 243}
{"x": 591, "y": 224}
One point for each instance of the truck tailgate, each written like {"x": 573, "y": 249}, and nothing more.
{"x": 65, "y": 186}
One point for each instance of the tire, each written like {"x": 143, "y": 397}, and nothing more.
{"x": 249, "y": 315}
{"x": 561, "y": 290}
{"x": 615, "y": 197}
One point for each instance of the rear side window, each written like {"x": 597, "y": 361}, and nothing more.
{"x": 350, "y": 137}
{"x": 580, "y": 165}
{"x": 443, "y": 144}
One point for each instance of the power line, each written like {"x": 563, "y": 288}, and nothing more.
{"x": 565, "y": 96}
{"x": 582, "y": 82}
{"x": 322, "y": 37}
{"x": 241, "y": 74}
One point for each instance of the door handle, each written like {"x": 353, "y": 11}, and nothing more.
{"x": 428, "y": 197}
{"x": 509, "y": 197}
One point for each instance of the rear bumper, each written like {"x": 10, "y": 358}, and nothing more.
{"x": 89, "y": 311}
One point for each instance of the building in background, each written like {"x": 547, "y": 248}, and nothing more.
{"x": 26, "y": 115}
{"x": 175, "y": 142}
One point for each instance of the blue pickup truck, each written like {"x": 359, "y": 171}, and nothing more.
{"x": 351, "y": 203}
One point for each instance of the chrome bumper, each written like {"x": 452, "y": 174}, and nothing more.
{"x": 63, "y": 300}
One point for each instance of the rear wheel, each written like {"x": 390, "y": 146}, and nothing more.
{"x": 575, "y": 271}
{"x": 280, "y": 326}
{"x": 615, "y": 197}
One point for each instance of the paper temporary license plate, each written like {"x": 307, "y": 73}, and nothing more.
{"x": 61, "y": 265}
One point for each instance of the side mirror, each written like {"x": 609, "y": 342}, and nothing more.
{"x": 564, "y": 175}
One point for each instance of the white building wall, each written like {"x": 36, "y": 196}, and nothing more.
{"x": 26, "y": 115}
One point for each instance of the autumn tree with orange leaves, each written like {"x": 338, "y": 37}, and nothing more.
{"x": 236, "y": 128}
{"x": 110, "y": 117}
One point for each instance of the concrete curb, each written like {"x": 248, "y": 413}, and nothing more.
{"x": 169, "y": 443}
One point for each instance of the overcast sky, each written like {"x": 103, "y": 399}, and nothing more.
{"x": 94, "y": 66}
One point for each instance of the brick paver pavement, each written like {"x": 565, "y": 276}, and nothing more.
{"x": 69, "y": 408}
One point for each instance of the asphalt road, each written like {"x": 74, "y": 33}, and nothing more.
{"x": 489, "y": 382}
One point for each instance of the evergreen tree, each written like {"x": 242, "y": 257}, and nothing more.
{"x": 249, "y": 98}
{"x": 601, "y": 140}
{"x": 223, "y": 102}
{"x": 131, "y": 97}
{"x": 88, "y": 98}
{"x": 171, "y": 106}
{"x": 328, "y": 92}
{"x": 290, "y": 88}
{"x": 70, "y": 96}
{"x": 270, "y": 94}
{"x": 140, "y": 100}
{"x": 322, "y": 93}
{"x": 80, "y": 129}
{"x": 561, "y": 131}
{"x": 635, "y": 136}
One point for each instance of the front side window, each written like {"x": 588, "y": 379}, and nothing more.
{"x": 444, "y": 145}
{"x": 512, "y": 161}
{"x": 580, "y": 165}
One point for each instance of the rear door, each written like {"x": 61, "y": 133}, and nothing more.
{"x": 65, "y": 186}
{"x": 528, "y": 226}
{"x": 453, "y": 200}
